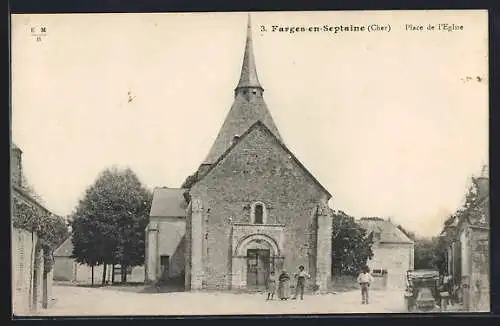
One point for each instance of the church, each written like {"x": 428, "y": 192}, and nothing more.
{"x": 251, "y": 207}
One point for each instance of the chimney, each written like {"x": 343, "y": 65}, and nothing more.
{"x": 483, "y": 183}
{"x": 16, "y": 168}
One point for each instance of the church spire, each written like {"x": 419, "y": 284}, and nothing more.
{"x": 248, "y": 77}
{"x": 248, "y": 106}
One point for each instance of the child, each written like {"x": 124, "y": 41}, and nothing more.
{"x": 283, "y": 285}
{"x": 301, "y": 282}
{"x": 271, "y": 286}
{"x": 364, "y": 280}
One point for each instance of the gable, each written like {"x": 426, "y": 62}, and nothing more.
{"x": 65, "y": 249}
{"x": 259, "y": 151}
{"x": 242, "y": 115}
{"x": 168, "y": 202}
{"x": 389, "y": 233}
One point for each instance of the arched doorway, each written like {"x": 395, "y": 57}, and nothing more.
{"x": 254, "y": 258}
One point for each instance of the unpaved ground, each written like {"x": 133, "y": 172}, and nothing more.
{"x": 72, "y": 300}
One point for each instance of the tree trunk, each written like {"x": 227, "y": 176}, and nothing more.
{"x": 45, "y": 294}
{"x": 113, "y": 274}
{"x": 104, "y": 274}
{"x": 123, "y": 273}
{"x": 92, "y": 269}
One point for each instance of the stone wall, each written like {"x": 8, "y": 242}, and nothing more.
{"x": 479, "y": 288}
{"x": 23, "y": 258}
{"x": 257, "y": 169}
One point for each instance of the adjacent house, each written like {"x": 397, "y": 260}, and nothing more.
{"x": 466, "y": 236}
{"x": 251, "y": 207}
{"x": 31, "y": 282}
{"x": 393, "y": 253}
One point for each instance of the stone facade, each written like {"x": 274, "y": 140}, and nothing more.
{"x": 251, "y": 207}
{"x": 257, "y": 169}
{"x": 466, "y": 235}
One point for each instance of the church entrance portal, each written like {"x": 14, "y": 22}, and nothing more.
{"x": 258, "y": 268}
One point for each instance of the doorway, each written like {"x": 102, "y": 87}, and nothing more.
{"x": 258, "y": 266}
{"x": 164, "y": 268}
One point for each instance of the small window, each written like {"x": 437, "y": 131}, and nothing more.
{"x": 379, "y": 272}
{"x": 259, "y": 214}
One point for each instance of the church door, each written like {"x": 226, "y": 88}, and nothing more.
{"x": 258, "y": 263}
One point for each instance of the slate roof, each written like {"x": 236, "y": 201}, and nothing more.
{"x": 389, "y": 233}
{"x": 249, "y": 76}
{"x": 168, "y": 202}
{"x": 65, "y": 249}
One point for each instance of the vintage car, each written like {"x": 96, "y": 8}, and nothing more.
{"x": 422, "y": 291}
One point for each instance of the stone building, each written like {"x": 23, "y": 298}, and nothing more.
{"x": 466, "y": 237}
{"x": 393, "y": 253}
{"x": 31, "y": 285}
{"x": 250, "y": 208}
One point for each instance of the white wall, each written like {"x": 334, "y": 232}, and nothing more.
{"x": 171, "y": 233}
{"x": 397, "y": 259}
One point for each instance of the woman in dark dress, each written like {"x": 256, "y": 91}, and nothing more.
{"x": 284, "y": 286}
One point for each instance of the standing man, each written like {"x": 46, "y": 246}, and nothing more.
{"x": 364, "y": 280}
{"x": 301, "y": 277}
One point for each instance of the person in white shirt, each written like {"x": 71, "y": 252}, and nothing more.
{"x": 364, "y": 280}
{"x": 301, "y": 277}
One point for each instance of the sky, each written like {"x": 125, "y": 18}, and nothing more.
{"x": 392, "y": 123}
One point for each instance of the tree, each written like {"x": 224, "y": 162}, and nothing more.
{"x": 351, "y": 245}
{"x": 30, "y": 190}
{"x": 429, "y": 254}
{"x": 51, "y": 229}
{"x": 109, "y": 222}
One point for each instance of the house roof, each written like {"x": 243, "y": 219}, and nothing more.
{"x": 168, "y": 202}
{"x": 65, "y": 249}
{"x": 21, "y": 192}
{"x": 261, "y": 125}
{"x": 389, "y": 233}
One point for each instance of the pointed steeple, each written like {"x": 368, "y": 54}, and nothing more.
{"x": 248, "y": 77}
{"x": 248, "y": 106}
